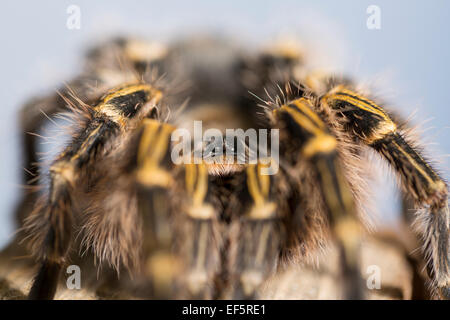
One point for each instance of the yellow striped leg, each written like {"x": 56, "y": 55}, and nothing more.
{"x": 309, "y": 135}
{"x": 155, "y": 182}
{"x": 180, "y": 240}
{"x": 50, "y": 225}
{"x": 369, "y": 122}
{"x": 260, "y": 238}
{"x": 200, "y": 242}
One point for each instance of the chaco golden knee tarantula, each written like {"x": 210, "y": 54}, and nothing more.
{"x": 205, "y": 229}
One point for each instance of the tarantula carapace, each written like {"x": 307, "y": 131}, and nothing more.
{"x": 216, "y": 229}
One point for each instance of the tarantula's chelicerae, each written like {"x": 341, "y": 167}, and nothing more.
{"x": 206, "y": 227}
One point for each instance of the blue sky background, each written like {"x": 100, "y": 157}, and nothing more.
{"x": 407, "y": 59}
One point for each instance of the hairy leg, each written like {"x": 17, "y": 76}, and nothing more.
{"x": 106, "y": 66}
{"x": 371, "y": 124}
{"x": 259, "y": 234}
{"x": 50, "y": 225}
{"x": 181, "y": 239}
{"x": 306, "y": 136}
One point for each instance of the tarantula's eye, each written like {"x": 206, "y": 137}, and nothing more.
{"x": 126, "y": 101}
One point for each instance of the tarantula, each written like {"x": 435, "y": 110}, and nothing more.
{"x": 216, "y": 229}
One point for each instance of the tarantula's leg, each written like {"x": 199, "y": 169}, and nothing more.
{"x": 182, "y": 250}
{"x": 155, "y": 182}
{"x": 201, "y": 241}
{"x": 306, "y": 132}
{"x": 260, "y": 238}
{"x": 104, "y": 68}
{"x": 50, "y": 225}
{"x": 371, "y": 124}
{"x": 33, "y": 116}
{"x": 36, "y": 113}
